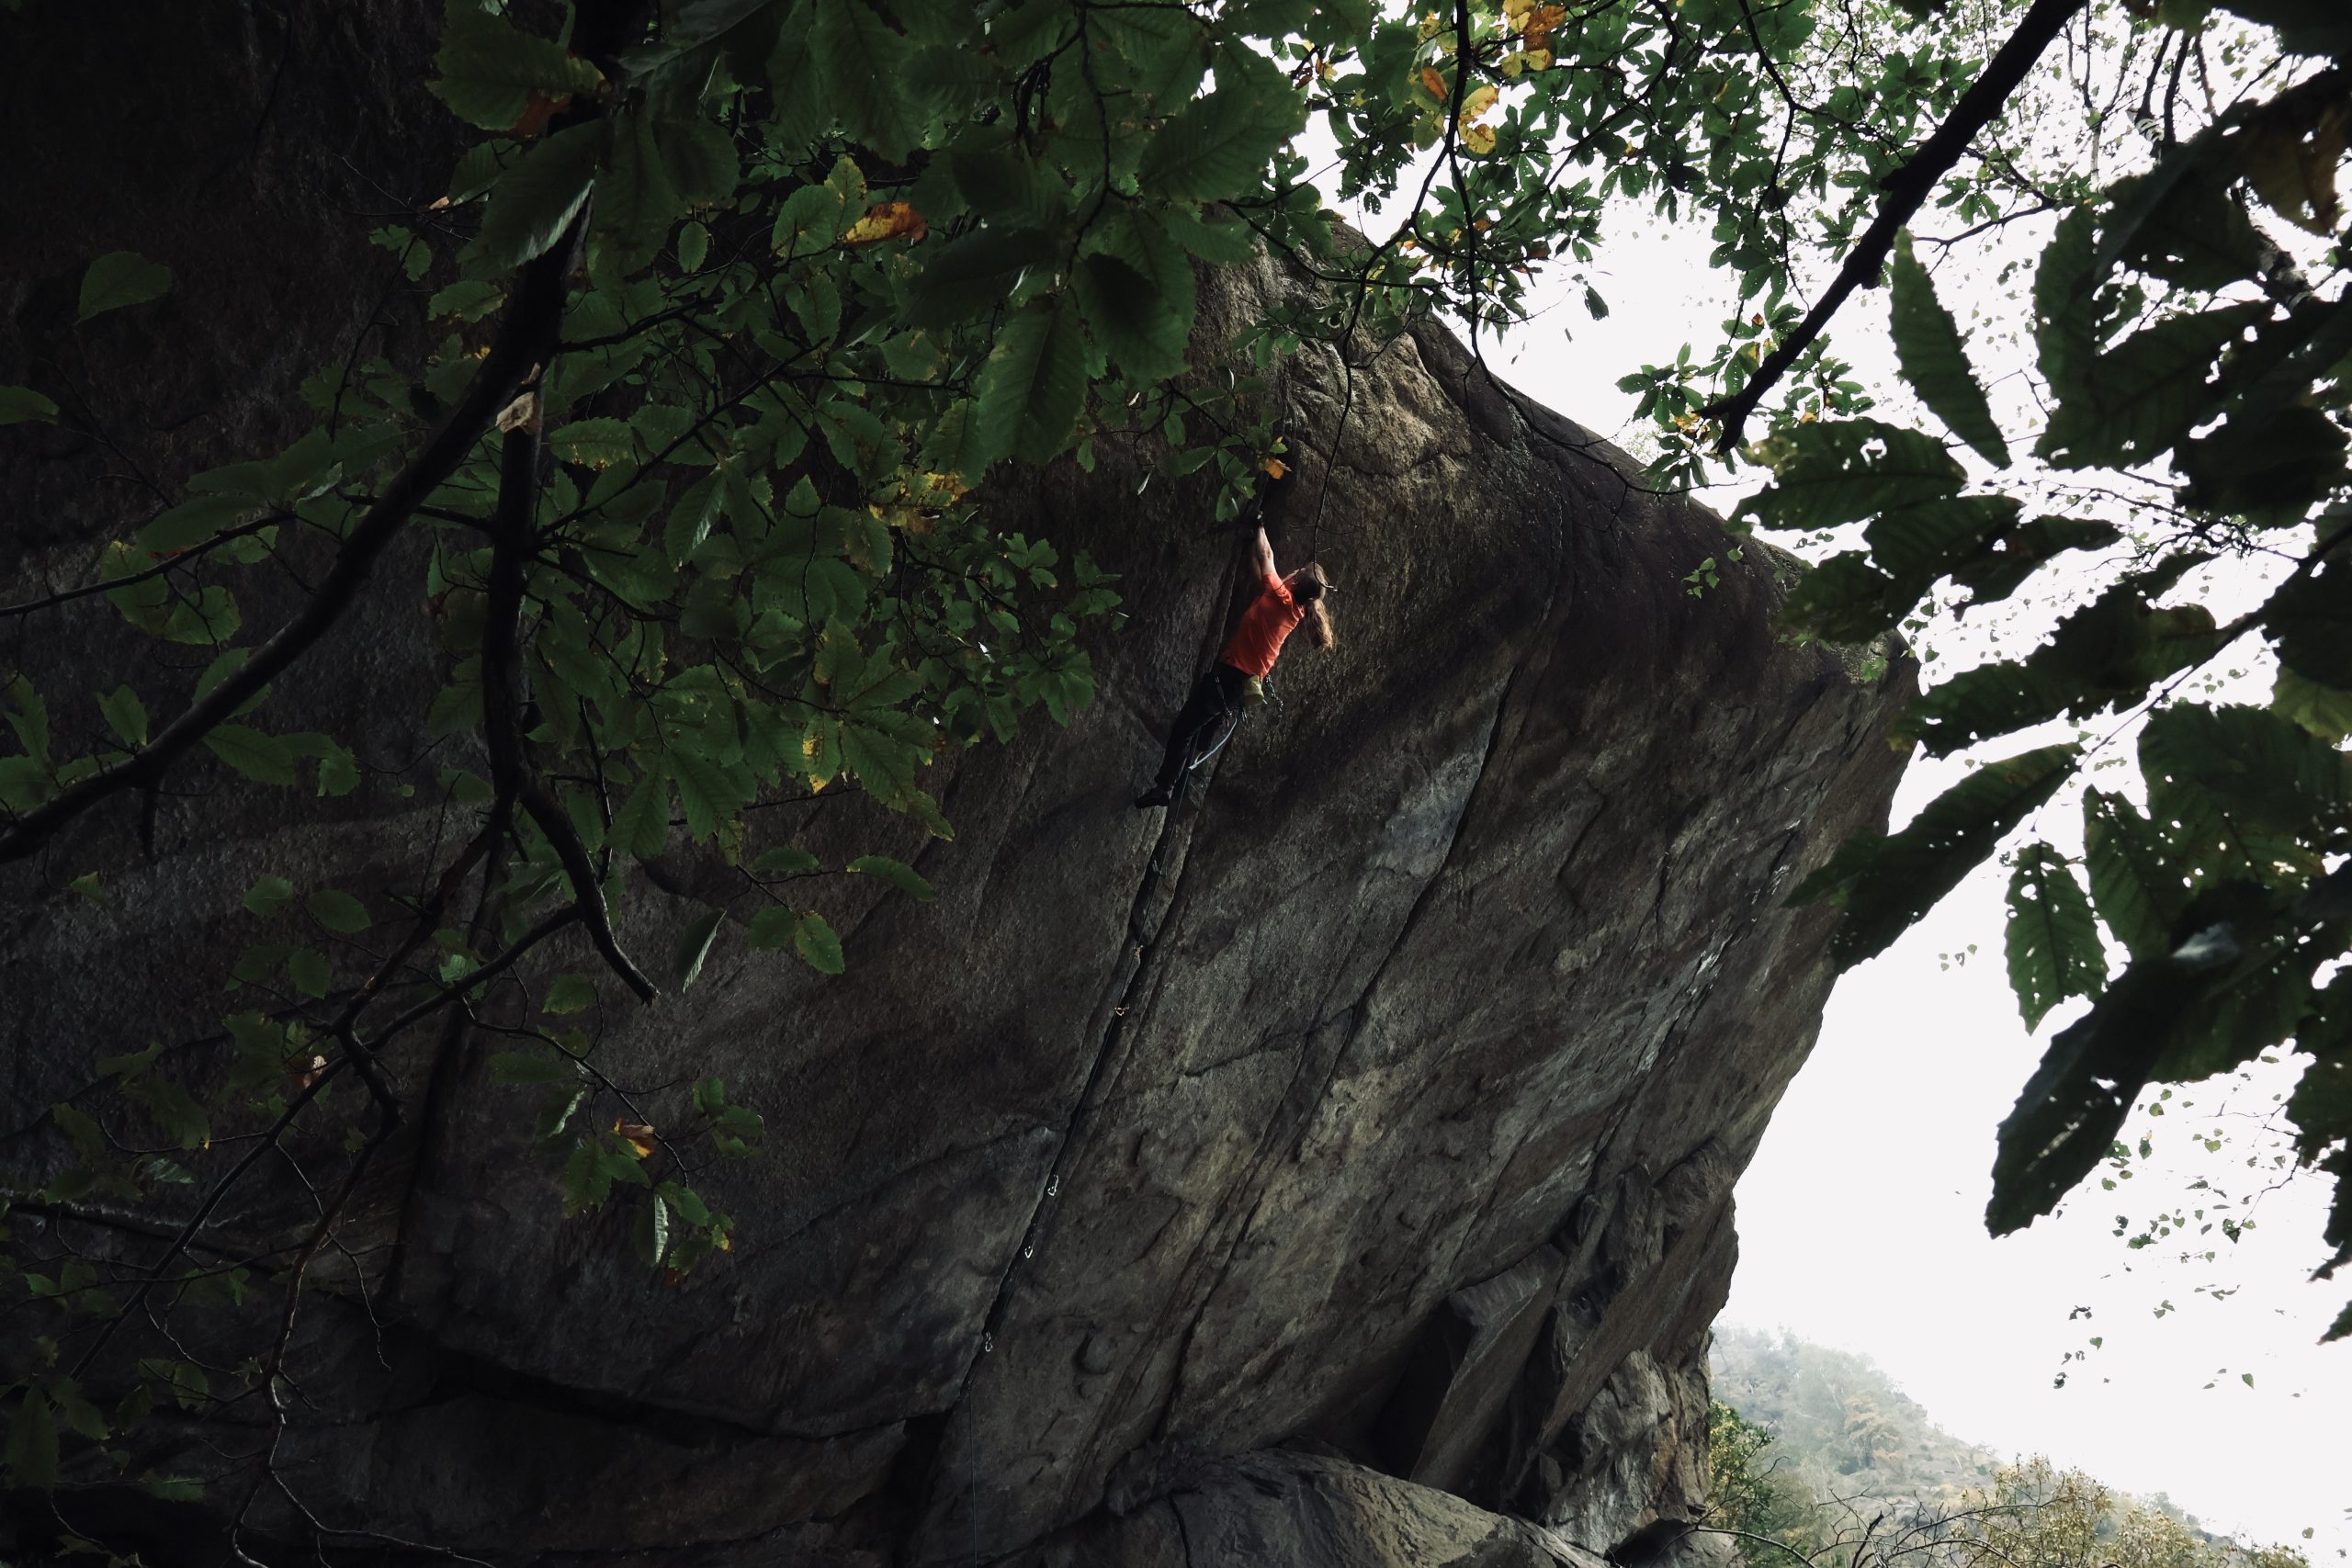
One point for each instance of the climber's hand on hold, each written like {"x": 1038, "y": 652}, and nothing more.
{"x": 1263, "y": 555}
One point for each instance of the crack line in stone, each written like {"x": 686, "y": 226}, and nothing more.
{"x": 1361, "y": 1012}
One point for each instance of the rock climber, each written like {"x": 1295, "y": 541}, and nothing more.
{"x": 1237, "y": 677}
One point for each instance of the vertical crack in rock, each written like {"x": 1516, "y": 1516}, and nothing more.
{"x": 1253, "y": 1183}
{"x": 1098, "y": 1076}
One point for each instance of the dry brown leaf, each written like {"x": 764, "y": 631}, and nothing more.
{"x": 537, "y": 113}
{"x": 885, "y": 220}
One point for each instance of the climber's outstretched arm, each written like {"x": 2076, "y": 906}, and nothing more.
{"x": 1265, "y": 558}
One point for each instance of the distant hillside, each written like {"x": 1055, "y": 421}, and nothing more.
{"x": 1842, "y": 1428}
{"x": 1840, "y": 1425}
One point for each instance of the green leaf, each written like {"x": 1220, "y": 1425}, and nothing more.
{"x": 694, "y": 945}
{"x": 207, "y": 618}
{"x": 81, "y": 1416}
{"x": 1998, "y": 570}
{"x": 470, "y": 300}
{"x": 2067, "y": 1118}
{"x": 1935, "y": 361}
{"x": 1846, "y": 598}
{"x": 526, "y": 1067}
{"x": 2051, "y": 940}
{"x": 1839, "y": 471}
{"x": 308, "y": 969}
{"x": 2309, "y": 618}
{"x": 32, "y": 1444}
{"x": 173, "y": 1110}
{"x": 651, "y": 1233}
{"x": 22, "y": 405}
{"x": 1165, "y": 272}
{"x": 253, "y": 753}
{"x": 694, "y": 247}
{"x": 2267, "y": 465}
{"x": 2325, "y": 711}
{"x": 339, "y": 912}
{"x": 897, "y": 873}
{"x": 2305, "y": 27}
{"x": 488, "y": 68}
{"x": 859, "y": 56}
{"x": 1010, "y": 188}
{"x": 2067, "y": 314}
{"x": 598, "y": 443}
{"x": 636, "y": 198}
{"x": 785, "y": 861}
{"x": 2105, "y": 654}
{"x": 1129, "y": 316}
{"x": 124, "y": 714}
{"x": 268, "y": 895}
{"x": 641, "y": 825}
{"x": 2180, "y": 224}
{"x": 538, "y": 196}
{"x": 587, "y": 1180}
{"x": 568, "y": 994}
{"x": 816, "y": 942}
{"x": 1917, "y": 543}
{"x": 975, "y": 274}
{"x": 2244, "y": 793}
{"x": 2138, "y": 894}
{"x": 709, "y": 792}
{"x": 2147, "y": 393}
{"x": 807, "y": 933}
{"x": 28, "y": 719}
{"x": 120, "y": 278}
{"x": 1030, "y": 390}
{"x": 1218, "y": 146}
{"x": 1884, "y": 885}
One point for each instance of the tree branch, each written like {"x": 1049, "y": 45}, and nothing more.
{"x": 1907, "y": 190}
{"x": 524, "y": 339}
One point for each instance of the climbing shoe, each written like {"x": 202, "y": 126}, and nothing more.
{"x": 1155, "y": 795}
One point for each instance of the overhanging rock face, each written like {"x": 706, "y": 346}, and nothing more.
{"x": 1381, "y": 1108}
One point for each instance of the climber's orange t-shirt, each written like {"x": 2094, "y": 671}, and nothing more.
{"x": 1258, "y": 638}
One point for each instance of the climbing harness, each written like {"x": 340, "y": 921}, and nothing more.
{"x": 1254, "y": 691}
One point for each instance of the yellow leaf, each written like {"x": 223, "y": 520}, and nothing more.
{"x": 885, "y": 220}
{"x": 637, "y": 1135}
{"x": 1515, "y": 12}
{"x": 2292, "y": 167}
{"x": 1480, "y": 139}
{"x": 1538, "y": 59}
{"x": 1275, "y": 467}
{"x": 1482, "y": 98}
{"x": 1434, "y": 82}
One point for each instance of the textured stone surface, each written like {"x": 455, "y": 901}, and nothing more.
{"x": 1303, "y": 1511}
{"x": 1082, "y": 1176}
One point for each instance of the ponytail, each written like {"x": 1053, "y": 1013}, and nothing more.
{"x": 1311, "y": 587}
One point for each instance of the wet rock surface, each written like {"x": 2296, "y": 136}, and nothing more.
{"x": 1334, "y": 1171}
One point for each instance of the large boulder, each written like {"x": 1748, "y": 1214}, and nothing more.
{"x": 1385, "y": 1101}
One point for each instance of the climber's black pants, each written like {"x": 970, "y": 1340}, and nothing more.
{"x": 1216, "y": 694}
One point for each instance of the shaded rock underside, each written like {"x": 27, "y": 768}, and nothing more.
{"x": 1381, "y": 1109}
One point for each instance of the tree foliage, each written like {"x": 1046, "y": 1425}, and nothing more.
{"x": 740, "y": 305}
{"x": 2175, "y": 335}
